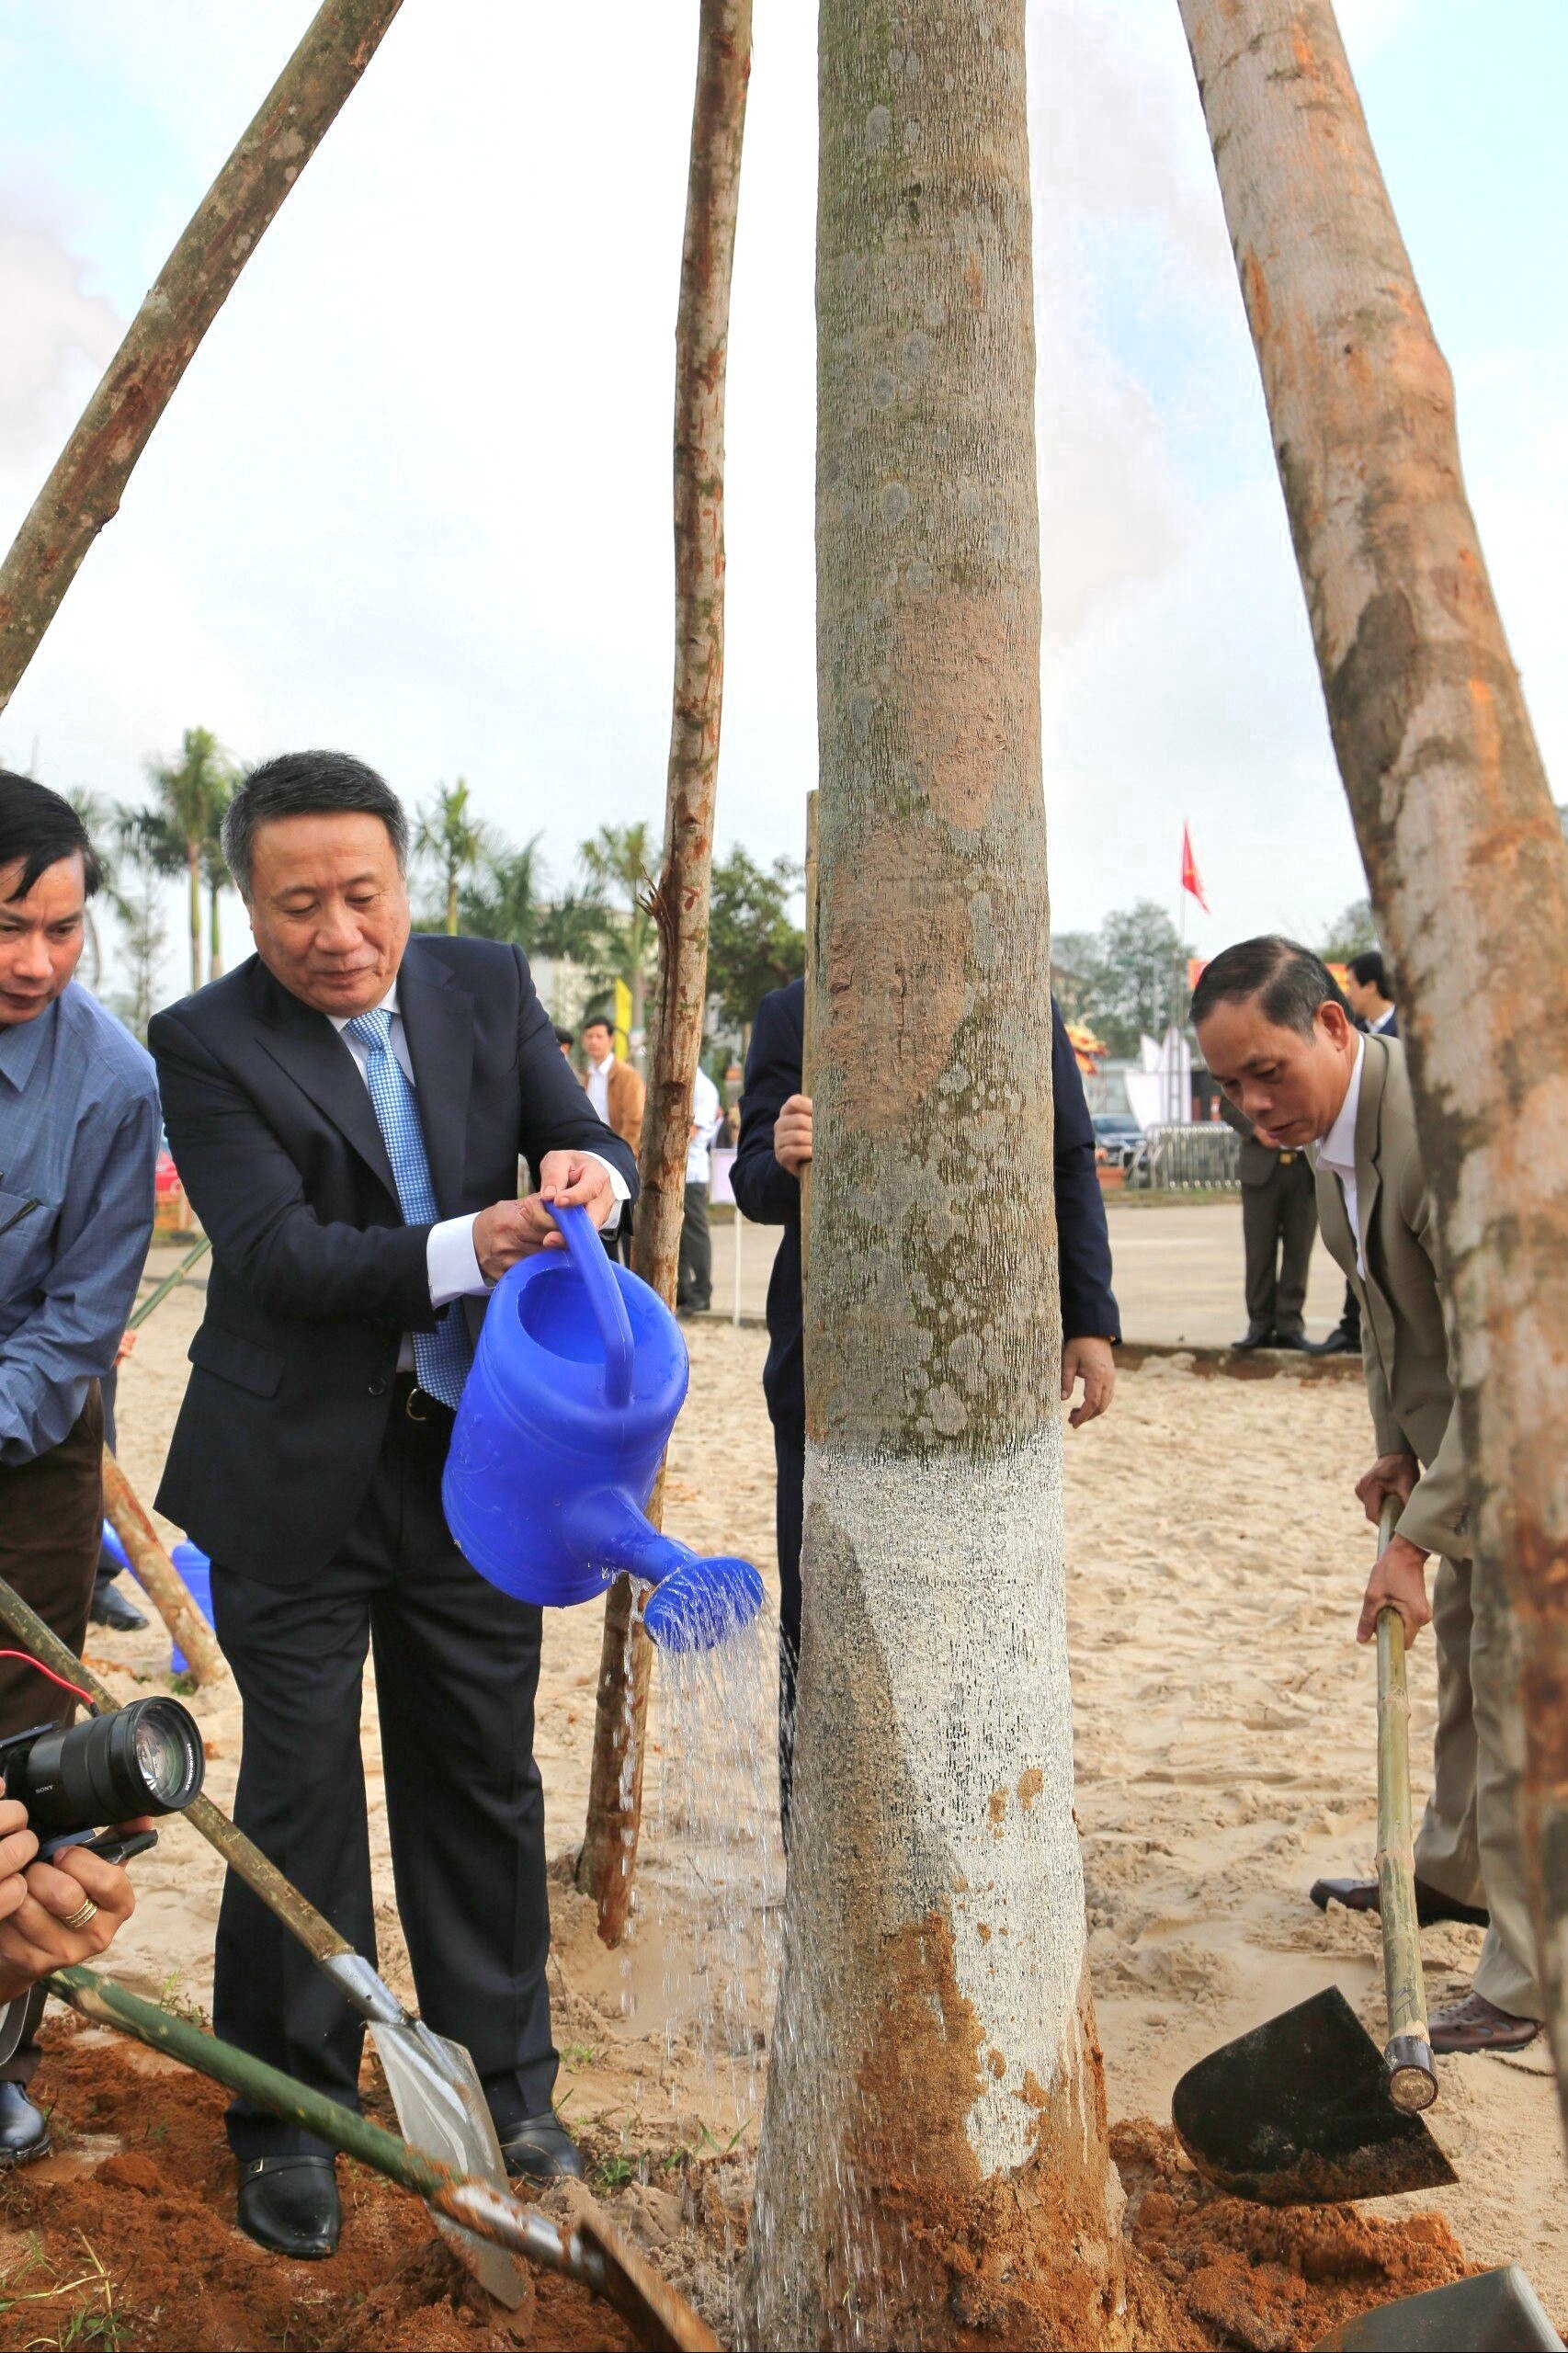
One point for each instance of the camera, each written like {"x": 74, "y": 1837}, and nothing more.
{"x": 144, "y": 1758}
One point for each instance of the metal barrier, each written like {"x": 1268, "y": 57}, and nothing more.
{"x": 1202, "y": 1157}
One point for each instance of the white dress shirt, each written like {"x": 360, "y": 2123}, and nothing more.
{"x": 1380, "y": 1025}
{"x": 450, "y": 1261}
{"x": 596, "y": 1086}
{"x": 705, "y": 1120}
{"x": 1337, "y": 1151}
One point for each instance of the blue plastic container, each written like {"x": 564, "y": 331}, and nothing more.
{"x": 196, "y": 1570}
{"x": 115, "y": 1549}
{"x": 578, "y": 1377}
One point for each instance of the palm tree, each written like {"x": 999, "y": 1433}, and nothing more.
{"x": 192, "y": 794}
{"x": 453, "y": 840}
{"x": 619, "y": 865}
{"x": 215, "y": 870}
{"x": 95, "y": 817}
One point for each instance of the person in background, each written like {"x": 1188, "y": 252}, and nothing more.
{"x": 79, "y": 1132}
{"x": 775, "y": 1146}
{"x": 108, "y": 1607}
{"x": 694, "y": 1287}
{"x": 618, "y": 1095}
{"x": 1370, "y": 1000}
{"x": 565, "y": 1039}
{"x": 1276, "y": 1034}
{"x": 348, "y": 1108}
{"x": 1280, "y": 1223}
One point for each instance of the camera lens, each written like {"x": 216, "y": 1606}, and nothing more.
{"x": 146, "y": 1758}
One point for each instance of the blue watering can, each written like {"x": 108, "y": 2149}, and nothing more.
{"x": 576, "y": 1382}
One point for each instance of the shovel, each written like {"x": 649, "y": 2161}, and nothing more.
{"x": 434, "y": 2083}
{"x": 1498, "y": 2311}
{"x": 1306, "y": 2110}
{"x": 590, "y": 2249}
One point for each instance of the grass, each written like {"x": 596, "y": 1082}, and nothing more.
{"x": 95, "y": 2323}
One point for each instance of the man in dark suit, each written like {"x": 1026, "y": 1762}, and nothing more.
{"x": 1280, "y": 1223}
{"x": 347, "y": 1110}
{"x": 1370, "y": 999}
{"x": 774, "y": 1143}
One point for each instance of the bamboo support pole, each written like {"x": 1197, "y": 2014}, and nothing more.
{"x": 1413, "y": 2079}
{"x": 159, "y": 1579}
{"x": 170, "y": 1282}
{"x": 85, "y": 489}
{"x": 680, "y": 900}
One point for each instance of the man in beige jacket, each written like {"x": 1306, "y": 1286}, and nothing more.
{"x": 1278, "y": 1037}
{"x": 618, "y": 1095}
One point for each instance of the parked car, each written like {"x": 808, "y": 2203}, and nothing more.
{"x": 1117, "y": 1138}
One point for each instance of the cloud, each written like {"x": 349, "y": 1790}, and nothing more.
{"x": 54, "y": 331}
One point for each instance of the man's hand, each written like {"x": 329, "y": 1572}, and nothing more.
{"x": 1390, "y": 1475}
{"x": 792, "y": 1134}
{"x": 1094, "y": 1363}
{"x": 1399, "y": 1576}
{"x": 508, "y": 1231}
{"x": 36, "y": 1899}
{"x": 126, "y": 1347}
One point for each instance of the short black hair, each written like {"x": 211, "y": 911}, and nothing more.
{"x": 1371, "y": 972}
{"x": 563, "y": 1037}
{"x": 40, "y": 828}
{"x": 307, "y": 784}
{"x": 599, "y": 1021}
{"x": 1289, "y": 981}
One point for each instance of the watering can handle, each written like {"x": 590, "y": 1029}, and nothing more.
{"x": 592, "y": 1261}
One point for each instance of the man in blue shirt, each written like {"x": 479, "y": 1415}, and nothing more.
{"x": 79, "y": 1127}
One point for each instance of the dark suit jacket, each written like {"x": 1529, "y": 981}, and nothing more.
{"x": 314, "y": 1275}
{"x": 769, "y": 1195}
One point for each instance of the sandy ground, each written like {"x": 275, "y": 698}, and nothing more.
{"x": 1225, "y": 1740}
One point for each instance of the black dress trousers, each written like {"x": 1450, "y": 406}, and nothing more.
{"x": 457, "y": 1666}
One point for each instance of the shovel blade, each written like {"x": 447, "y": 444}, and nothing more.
{"x": 442, "y": 2111}
{"x": 1498, "y": 2311}
{"x": 1298, "y": 2113}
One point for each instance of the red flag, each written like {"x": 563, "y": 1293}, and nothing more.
{"x": 1191, "y": 880}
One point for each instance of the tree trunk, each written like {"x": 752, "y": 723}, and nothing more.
{"x": 193, "y": 892}
{"x": 214, "y": 931}
{"x": 934, "y": 2149}
{"x": 452, "y": 903}
{"x": 681, "y": 898}
{"x": 84, "y": 492}
{"x": 1463, "y": 852}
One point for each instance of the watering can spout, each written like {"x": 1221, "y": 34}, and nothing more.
{"x": 607, "y": 1526}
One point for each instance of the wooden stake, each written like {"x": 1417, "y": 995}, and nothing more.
{"x": 1453, "y": 812}
{"x": 85, "y": 490}
{"x": 159, "y": 1579}
{"x": 679, "y": 903}
{"x": 808, "y": 1041}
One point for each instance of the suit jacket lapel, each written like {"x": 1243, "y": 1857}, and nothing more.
{"x": 437, "y": 1020}
{"x": 305, "y": 1043}
{"x": 1334, "y": 1216}
{"x": 1368, "y": 1136}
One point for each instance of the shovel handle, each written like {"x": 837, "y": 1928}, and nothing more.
{"x": 1413, "y": 2078}
{"x": 318, "y": 1936}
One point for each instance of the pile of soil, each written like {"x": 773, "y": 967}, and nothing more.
{"x": 124, "y": 2238}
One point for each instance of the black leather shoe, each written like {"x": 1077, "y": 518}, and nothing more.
{"x": 1297, "y": 1340}
{"x": 108, "y": 1607}
{"x": 1250, "y": 1340}
{"x": 1340, "y": 1342}
{"x": 23, "y": 2132}
{"x": 541, "y": 2147}
{"x": 290, "y": 2204}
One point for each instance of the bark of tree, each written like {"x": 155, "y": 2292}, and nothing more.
{"x": 1462, "y": 847}
{"x": 83, "y": 491}
{"x": 934, "y": 2148}
{"x": 680, "y": 898}
{"x": 193, "y": 892}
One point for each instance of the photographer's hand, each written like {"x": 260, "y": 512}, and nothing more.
{"x": 37, "y": 1900}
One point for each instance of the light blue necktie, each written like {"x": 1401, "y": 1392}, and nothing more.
{"x": 441, "y": 1357}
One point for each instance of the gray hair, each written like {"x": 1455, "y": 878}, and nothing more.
{"x": 1289, "y": 981}
{"x": 307, "y": 784}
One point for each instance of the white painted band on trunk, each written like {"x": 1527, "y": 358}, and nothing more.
{"x": 977, "y": 1673}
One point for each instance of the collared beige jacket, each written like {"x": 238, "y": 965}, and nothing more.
{"x": 1405, "y": 1347}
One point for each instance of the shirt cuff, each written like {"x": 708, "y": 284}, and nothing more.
{"x": 451, "y": 1263}
{"x": 617, "y": 1185}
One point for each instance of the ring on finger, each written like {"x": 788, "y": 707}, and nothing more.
{"x": 86, "y": 1910}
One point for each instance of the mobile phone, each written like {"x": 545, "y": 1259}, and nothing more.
{"x": 112, "y": 1846}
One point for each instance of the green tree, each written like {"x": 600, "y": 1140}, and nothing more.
{"x": 1128, "y": 980}
{"x": 192, "y": 793}
{"x": 134, "y": 871}
{"x": 754, "y": 944}
{"x": 453, "y": 841}
{"x": 1351, "y": 934}
{"x": 618, "y": 866}
{"x": 98, "y": 818}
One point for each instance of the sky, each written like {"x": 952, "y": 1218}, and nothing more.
{"x": 412, "y": 498}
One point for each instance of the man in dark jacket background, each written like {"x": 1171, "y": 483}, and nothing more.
{"x": 775, "y": 1143}
{"x": 347, "y": 1110}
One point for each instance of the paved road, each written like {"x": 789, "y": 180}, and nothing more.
{"x": 1178, "y": 1273}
